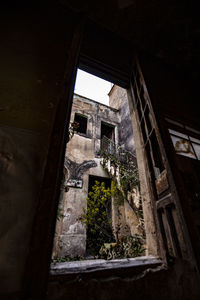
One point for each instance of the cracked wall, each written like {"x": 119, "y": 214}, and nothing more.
{"x": 82, "y": 159}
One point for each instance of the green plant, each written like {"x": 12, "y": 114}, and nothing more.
{"x": 66, "y": 259}
{"x": 97, "y": 218}
{"x": 126, "y": 170}
{"x": 59, "y": 214}
{"x": 116, "y": 193}
{"x": 126, "y": 247}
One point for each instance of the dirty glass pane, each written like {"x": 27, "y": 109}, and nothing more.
{"x": 197, "y": 150}
{"x": 183, "y": 147}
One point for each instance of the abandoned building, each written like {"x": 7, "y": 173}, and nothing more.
{"x": 151, "y": 48}
{"x": 101, "y": 127}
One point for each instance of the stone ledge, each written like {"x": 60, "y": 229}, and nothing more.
{"x": 88, "y": 266}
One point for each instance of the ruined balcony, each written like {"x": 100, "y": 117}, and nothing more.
{"x": 108, "y": 147}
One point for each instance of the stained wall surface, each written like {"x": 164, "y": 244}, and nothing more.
{"x": 118, "y": 98}
{"x": 30, "y": 90}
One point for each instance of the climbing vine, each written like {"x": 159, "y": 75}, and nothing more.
{"x": 126, "y": 247}
{"x": 126, "y": 167}
{"x": 125, "y": 178}
{"x": 101, "y": 242}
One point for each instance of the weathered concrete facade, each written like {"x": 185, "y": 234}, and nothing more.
{"x": 82, "y": 153}
{"x": 82, "y": 159}
{"x": 118, "y": 99}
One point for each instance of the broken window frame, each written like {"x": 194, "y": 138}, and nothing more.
{"x": 112, "y": 139}
{"x": 163, "y": 196}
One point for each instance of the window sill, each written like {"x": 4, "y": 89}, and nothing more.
{"x": 85, "y": 135}
{"x": 137, "y": 264}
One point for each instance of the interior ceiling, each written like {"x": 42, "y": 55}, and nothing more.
{"x": 167, "y": 29}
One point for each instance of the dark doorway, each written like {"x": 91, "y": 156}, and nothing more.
{"x": 99, "y": 217}
{"x": 92, "y": 180}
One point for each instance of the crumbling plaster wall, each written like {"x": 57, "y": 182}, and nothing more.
{"x": 96, "y": 114}
{"x": 70, "y": 238}
{"x": 119, "y": 100}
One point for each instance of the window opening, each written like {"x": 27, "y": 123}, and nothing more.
{"x": 124, "y": 186}
{"x": 107, "y": 130}
{"x": 81, "y": 121}
{"x": 105, "y": 165}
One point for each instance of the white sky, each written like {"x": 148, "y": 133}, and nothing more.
{"x": 92, "y": 87}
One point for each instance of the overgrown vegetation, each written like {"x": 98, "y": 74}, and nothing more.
{"x": 122, "y": 168}
{"x": 101, "y": 242}
{"x": 66, "y": 259}
{"x": 125, "y": 168}
{"x": 97, "y": 218}
{"x": 126, "y": 247}
{"x": 125, "y": 164}
{"x": 59, "y": 214}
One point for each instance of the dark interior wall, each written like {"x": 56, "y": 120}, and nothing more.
{"x": 106, "y": 55}
{"x": 34, "y": 48}
{"x": 176, "y": 283}
{"x": 173, "y": 92}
